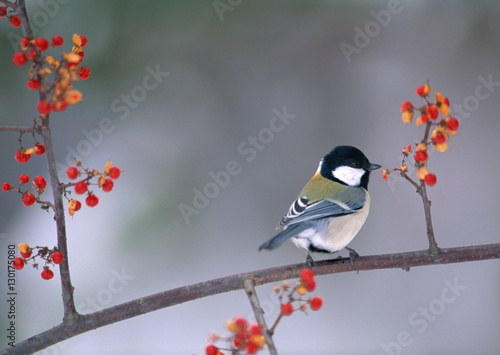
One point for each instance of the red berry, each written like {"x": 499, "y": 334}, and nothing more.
{"x": 91, "y": 200}
{"x": 82, "y": 55}
{"x": 44, "y": 107}
{"x": 29, "y": 199}
{"x": 33, "y": 84}
{"x": 239, "y": 340}
{"x": 84, "y": 73}
{"x": 25, "y": 43}
{"x": 406, "y": 106}
{"x": 452, "y": 124}
{"x": 26, "y": 255}
{"x": 211, "y": 350}
{"x": 446, "y": 101}
{"x": 22, "y": 157}
{"x": 15, "y": 21}
{"x": 57, "y": 257}
{"x": 316, "y": 303}
{"x": 24, "y": 179}
{"x": 421, "y": 90}
{"x": 18, "y": 263}
{"x": 107, "y": 186}
{"x": 439, "y": 139}
{"x": 47, "y": 274}
{"x": 84, "y": 40}
{"x": 306, "y": 275}
{"x": 6, "y": 187}
{"x": 240, "y": 322}
{"x": 40, "y": 183}
{"x": 72, "y": 172}
{"x": 255, "y": 329}
{"x": 432, "y": 111}
{"x": 57, "y": 41}
{"x": 114, "y": 173}
{"x": 41, "y": 44}
{"x": 251, "y": 348}
{"x": 421, "y": 156}
{"x": 32, "y": 54}
{"x": 430, "y": 179}
{"x": 40, "y": 149}
{"x": 19, "y": 59}
{"x": 3, "y": 11}
{"x": 59, "y": 105}
{"x": 286, "y": 309}
{"x": 310, "y": 285}
{"x": 78, "y": 205}
{"x": 81, "y": 187}
{"x": 424, "y": 118}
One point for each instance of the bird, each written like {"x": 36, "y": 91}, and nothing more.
{"x": 331, "y": 208}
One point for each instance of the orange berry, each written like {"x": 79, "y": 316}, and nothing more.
{"x": 23, "y": 247}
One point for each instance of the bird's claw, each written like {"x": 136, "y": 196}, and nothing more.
{"x": 309, "y": 261}
{"x": 352, "y": 254}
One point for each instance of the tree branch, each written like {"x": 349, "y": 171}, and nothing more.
{"x": 249, "y": 286}
{"x": 19, "y": 129}
{"x": 170, "y": 298}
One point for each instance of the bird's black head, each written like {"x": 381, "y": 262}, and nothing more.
{"x": 347, "y": 165}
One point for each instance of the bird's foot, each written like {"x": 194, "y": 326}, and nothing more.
{"x": 352, "y": 254}
{"x": 309, "y": 261}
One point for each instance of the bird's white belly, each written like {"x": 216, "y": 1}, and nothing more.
{"x": 335, "y": 235}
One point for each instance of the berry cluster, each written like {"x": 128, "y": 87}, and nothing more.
{"x": 14, "y": 20}
{"x": 103, "y": 180}
{"x": 438, "y": 138}
{"x": 50, "y": 256}
{"x": 28, "y": 198}
{"x": 247, "y": 338}
{"x": 306, "y": 284}
{"x": 58, "y": 93}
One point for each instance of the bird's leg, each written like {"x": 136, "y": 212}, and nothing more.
{"x": 309, "y": 260}
{"x": 352, "y": 254}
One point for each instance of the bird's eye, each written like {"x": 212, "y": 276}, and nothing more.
{"x": 355, "y": 165}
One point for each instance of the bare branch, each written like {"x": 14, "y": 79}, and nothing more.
{"x": 83, "y": 323}
{"x": 249, "y": 287}
{"x": 19, "y": 129}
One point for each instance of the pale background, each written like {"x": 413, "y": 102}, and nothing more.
{"x": 226, "y": 76}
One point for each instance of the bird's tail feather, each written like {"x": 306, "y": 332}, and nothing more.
{"x": 291, "y": 231}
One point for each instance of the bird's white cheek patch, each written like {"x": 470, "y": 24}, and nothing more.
{"x": 348, "y": 175}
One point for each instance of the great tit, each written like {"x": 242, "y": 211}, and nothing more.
{"x": 331, "y": 208}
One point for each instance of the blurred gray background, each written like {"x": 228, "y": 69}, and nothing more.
{"x": 341, "y": 69}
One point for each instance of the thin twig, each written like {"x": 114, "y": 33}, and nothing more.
{"x": 249, "y": 286}
{"x": 19, "y": 129}
{"x": 176, "y": 296}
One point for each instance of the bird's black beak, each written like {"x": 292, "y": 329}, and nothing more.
{"x": 374, "y": 167}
